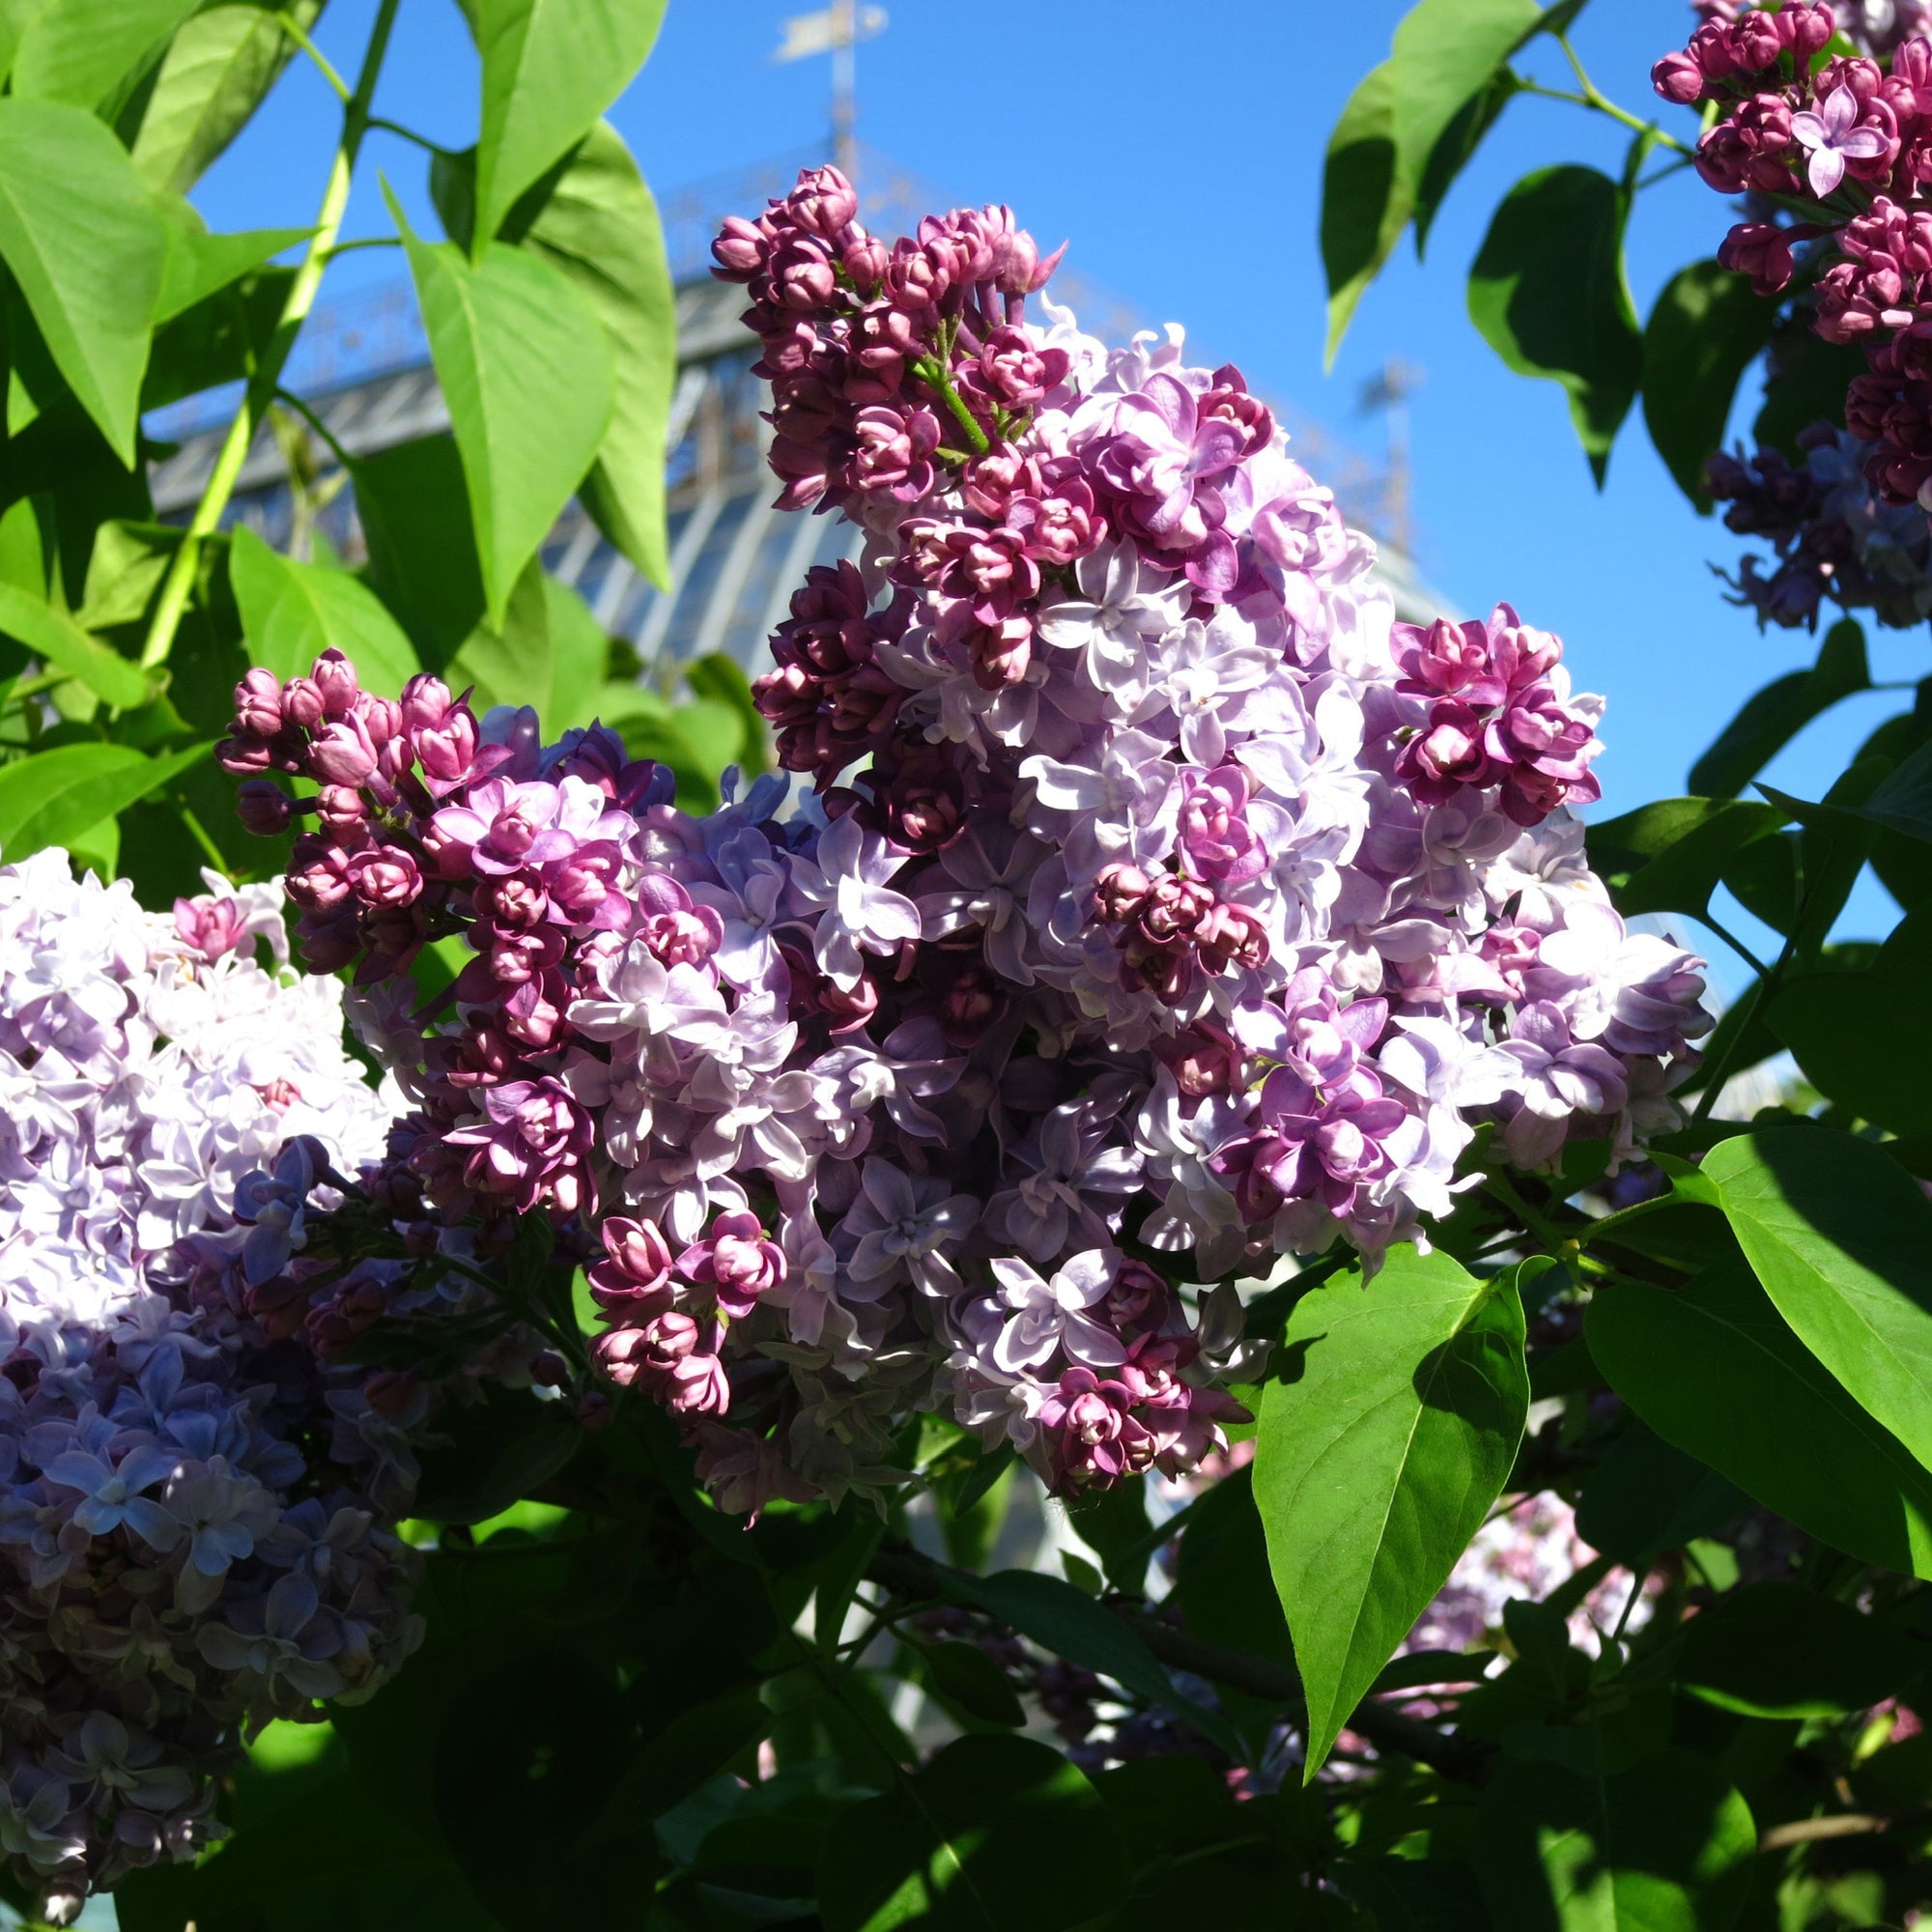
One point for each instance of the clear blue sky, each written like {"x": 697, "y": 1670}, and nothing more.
{"x": 1180, "y": 151}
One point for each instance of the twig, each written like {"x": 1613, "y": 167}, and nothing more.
{"x": 1838, "y": 1825}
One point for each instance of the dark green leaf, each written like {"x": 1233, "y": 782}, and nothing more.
{"x": 1777, "y": 714}
{"x": 422, "y": 551}
{"x": 994, "y": 1833}
{"x": 1549, "y": 295}
{"x": 1071, "y": 1625}
{"x": 1880, "y": 1068}
{"x": 550, "y": 68}
{"x": 1774, "y": 1650}
{"x": 963, "y": 1676}
{"x": 1808, "y": 384}
{"x": 1646, "y": 1498}
{"x": 77, "y": 49}
{"x": 55, "y": 796}
{"x": 1664, "y": 1846}
{"x": 1706, "y": 329}
{"x": 526, "y": 369}
{"x": 217, "y": 69}
{"x": 491, "y": 1456}
{"x": 53, "y": 637}
{"x": 1365, "y": 206}
{"x": 1114, "y": 1524}
{"x": 1715, "y": 1369}
{"x": 292, "y": 613}
{"x": 1840, "y": 1237}
{"x": 1671, "y": 856}
{"x": 1395, "y": 1417}
{"x": 1903, "y": 800}
{"x": 88, "y": 251}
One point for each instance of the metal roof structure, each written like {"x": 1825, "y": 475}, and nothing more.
{"x": 362, "y": 366}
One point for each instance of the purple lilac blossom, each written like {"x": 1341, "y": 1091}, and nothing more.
{"x": 1123, "y": 894}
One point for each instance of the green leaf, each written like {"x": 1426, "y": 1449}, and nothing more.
{"x": 200, "y": 263}
{"x": 54, "y": 796}
{"x": 1715, "y": 1369}
{"x": 1776, "y": 1650}
{"x": 549, "y": 652}
{"x": 1446, "y": 56}
{"x": 491, "y": 1455}
{"x": 963, "y": 1675}
{"x": 292, "y": 613}
{"x": 218, "y": 340}
{"x": 526, "y": 370}
{"x": 1807, "y": 385}
{"x": 1646, "y": 1498}
{"x": 1903, "y": 800}
{"x": 1879, "y": 1067}
{"x": 550, "y": 69}
{"x": 1549, "y": 295}
{"x": 77, "y": 49}
{"x": 1071, "y": 1625}
{"x": 1664, "y": 1846}
{"x": 1775, "y": 715}
{"x": 217, "y": 69}
{"x": 1365, "y": 206}
{"x": 52, "y": 636}
{"x": 88, "y": 251}
{"x": 1705, "y": 331}
{"x": 422, "y": 549}
{"x": 1671, "y": 856}
{"x": 996, "y": 1833}
{"x": 1396, "y": 1415}
{"x": 717, "y": 678}
{"x": 1840, "y": 1237}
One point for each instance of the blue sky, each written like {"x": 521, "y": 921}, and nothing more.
{"x": 1180, "y": 151}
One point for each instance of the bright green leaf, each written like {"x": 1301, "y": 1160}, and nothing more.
{"x": 550, "y": 69}
{"x": 1395, "y": 1417}
{"x": 292, "y": 613}
{"x": 1840, "y": 1237}
{"x": 719, "y": 680}
{"x": 200, "y": 263}
{"x": 548, "y": 653}
{"x": 1364, "y": 205}
{"x": 1447, "y": 54}
{"x": 1706, "y": 329}
{"x": 1715, "y": 1369}
{"x": 217, "y": 69}
{"x": 77, "y": 49}
{"x": 526, "y": 370}
{"x": 54, "y": 796}
{"x": 88, "y": 251}
{"x": 52, "y": 636}
{"x": 1664, "y": 1846}
{"x": 1548, "y": 293}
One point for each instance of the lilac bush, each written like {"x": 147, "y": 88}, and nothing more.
{"x": 196, "y": 1520}
{"x": 1157, "y": 905}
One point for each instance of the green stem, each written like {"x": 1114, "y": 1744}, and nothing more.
{"x": 290, "y": 400}
{"x": 1498, "y": 1187}
{"x": 1736, "y": 946}
{"x": 423, "y": 141}
{"x": 1597, "y": 102}
{"x": 302, "y": 40}
{"x": 300, "y": 299}
{"x": 198, "y": 832}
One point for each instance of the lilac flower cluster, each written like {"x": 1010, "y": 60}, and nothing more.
{"x": 1833, "y": 534}
{"x": 1844, "y": 145}
{"x": 178, "y": 1559}
{"x": 1159, "y": 904}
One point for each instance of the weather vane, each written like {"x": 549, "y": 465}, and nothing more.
{"x": 836, "y": 30}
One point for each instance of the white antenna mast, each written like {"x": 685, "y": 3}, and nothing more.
{"x": 837, "y": 30}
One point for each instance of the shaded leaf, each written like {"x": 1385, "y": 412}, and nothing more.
{"x": 1807, "y": 385}
{"x": 1549, "y": 295}
{"x": 1776, "y": 1650}
{"x": 1664, "y": 1846}
{"x": 292, "y": 613}
{"x": 1646, "y": 1498}
{"x": 1364, "y": 203}
{"x": 1715, "y": 1369}
{"x": 1394, "y": 1421}
{"x": 422, "y": 549}
{"x": 1671, "y": 855}
{"x": 88, "y": 251}
{"x": 1707, "y": 328}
